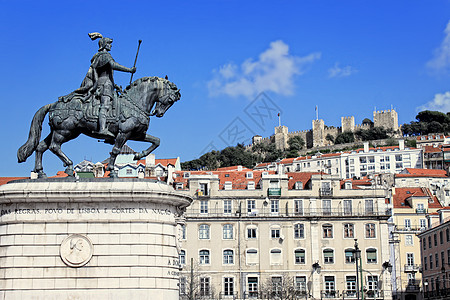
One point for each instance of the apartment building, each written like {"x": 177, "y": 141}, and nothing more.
{"x": 409, "y": 208}
{"x": 435, "y": 255}
{"x": 258, "y": 234}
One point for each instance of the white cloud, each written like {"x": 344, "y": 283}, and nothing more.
{"x": 273, "y": 71}
{"x": 441, "y": 56}
{"x": 441, "y": 102}
{"x": 336, "y": 71}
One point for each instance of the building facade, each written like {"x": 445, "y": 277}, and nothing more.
{"x": 257, "y": 234}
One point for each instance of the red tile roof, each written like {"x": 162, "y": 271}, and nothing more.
{"x": 403, "y": 194}
{"x": 424, "y": 172}
{"x": 304, "y": 177}
{"x": 432, "y": 149}
{"x": 5, "y": 180}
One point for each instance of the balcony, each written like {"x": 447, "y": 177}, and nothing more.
{"x": 282, "y": 212}
{"x": 413, "y": 286}
{"x": 330, "y": 294}
{"x": 411, "y": 268}
{"x": 421, "y": 211}
{"x": 274, "y": 192}
{"x": 408, "y": 229}
{"x": 325, "y": 191}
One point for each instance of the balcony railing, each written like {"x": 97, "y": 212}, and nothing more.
{"x": 282, "y": 212}
{"x": 325, "y": 191}
{"x": 274, "y": 192}
{"x": 411, "y": 268}
{"x": 398, "y": 228}
{"x": 330, "y": 294}
{"x": 421, "y": 211}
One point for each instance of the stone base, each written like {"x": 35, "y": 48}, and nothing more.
{"x": 89, "y": 239}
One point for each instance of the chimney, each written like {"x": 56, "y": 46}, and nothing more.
{"x": 366, "y": 147}
{"x": 401, "y": 144}
{"x": 150, "y": 160}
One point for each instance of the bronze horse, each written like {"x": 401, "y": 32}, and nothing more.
{"x": 130, "y": 122}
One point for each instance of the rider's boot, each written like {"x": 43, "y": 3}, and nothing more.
{"x": 102, "y": 123}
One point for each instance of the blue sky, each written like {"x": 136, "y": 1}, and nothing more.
{"x": 346, "y": 57}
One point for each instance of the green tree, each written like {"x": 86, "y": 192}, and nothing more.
{"x": 330, "y": 138}
{"x": 345, "y": 137}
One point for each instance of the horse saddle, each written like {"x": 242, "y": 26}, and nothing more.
{"x": 79, "y": 105}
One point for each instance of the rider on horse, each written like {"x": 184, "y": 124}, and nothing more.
{"x": 100, "y": 81}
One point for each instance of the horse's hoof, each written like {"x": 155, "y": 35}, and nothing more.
{"x": 41, "y": 174}
{"x": 69, "y": 171}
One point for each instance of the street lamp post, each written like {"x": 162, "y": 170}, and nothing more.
{"x": 359, "y": 289}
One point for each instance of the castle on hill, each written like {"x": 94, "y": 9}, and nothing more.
{"x": 316, "y": 137}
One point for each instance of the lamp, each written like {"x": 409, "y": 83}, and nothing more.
{"x": 387, "y": 265}
{"x": 316, "y": 267}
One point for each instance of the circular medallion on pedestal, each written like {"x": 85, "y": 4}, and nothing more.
{"x": 76, "y": 250}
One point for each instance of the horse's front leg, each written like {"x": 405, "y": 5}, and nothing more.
{"x": 121, "y": 139}
{"x": 147, "y": 138}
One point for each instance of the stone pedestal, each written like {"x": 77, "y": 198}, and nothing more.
{"x": 89, "y": 239}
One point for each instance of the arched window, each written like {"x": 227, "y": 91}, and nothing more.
{"x": 182, "y": 257}
{"x": 349, "y": 256}
{"x": 299, "y": 256}
{"x": 204, "y": 257}
{"x": 371, "y": 255}
{"x": 228, "y": 257}
{"x": 328, "y": 256}
{"x": 275, "y": 257}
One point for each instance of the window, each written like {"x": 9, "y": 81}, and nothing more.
{"x": 274, "y": 206}
{"x": 183, "y": 232}
{"x": 328, "y": 256}
{"x": 251, "y": 205}
{"x": 275, "y": 232}
{"x": 327, "y": 231}
{"x": 350, "y": 286}
{"x": 252, "y": 256}
{"x": 372, "y": 285}
{"x": 227, "y": 232}
{"x": 204, "y": 286}
{"x": 349, "y": 256}
{"x": 448, "y": 256}
{"x": 435, "y": 239}
{"x": 436, "y": 260}
{"x": 369, "y": 206}
{"x": 203, "y": 206}
{"x": 251, "y": 233}
{"x": 431, "y": 262}
{"x": 370, "y": 230}
{"x": 371, "y": 255}
{"x": 298, "y": 185}
{"x": 275, "y": 257}
{"x": 228, "y": 286}
{"x": 330, "y": 291}
{"x": 348, "y": 207}
{"x": 408, "y": 240}
{"x": 407, "y": 224}
{"x": 228, "y": 257}
{"x": 277, "y": 285}
{"x": 410, "y": 259}
{"x": 300, "y": 284}
{"x": 429, "y": 242}
{"x": 299, "y": 256}
{"x": 250, "y": 185}
{"x": 447, "y": 233}
{"x": 203, "y": 189}
{"x": 252, "y": 287}
{"x": 249, "y": 174}
{"x": 299, "y": 231}
{"x": 203, "y": 232}
{"x": 425, "y": 265}
{"x": 441, "y": 237}
{"x": 326, "y": 207}
{"x": 182, "y": 257}
{"x": 348, "y": 230}
{"x": 204, "y": 257}
{"x": 183, "y": 285}
{"x": 298, "y": 207}
{"x": 228, "y": 185}
{"x": 227, "y": 206}
{"x": 129, "y": 171}
{"x": 423, "y": 224}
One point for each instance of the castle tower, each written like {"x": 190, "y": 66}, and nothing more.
{"x": 386, "y": 118}
{"x": 318, "y": 128}
{"x": 281, "y": 137}
{"x": 348, "y": 124}
{"x": 256, "y": 139}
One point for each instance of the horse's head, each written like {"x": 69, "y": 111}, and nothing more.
{"x": 168, "y": 96}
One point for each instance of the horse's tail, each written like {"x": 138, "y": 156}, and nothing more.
{"x": 35, "y": 134}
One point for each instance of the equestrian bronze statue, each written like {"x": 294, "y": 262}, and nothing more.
{"x": 100, "y": 109}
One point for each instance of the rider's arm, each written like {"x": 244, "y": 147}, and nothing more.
{"x": 118, "y": 67}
